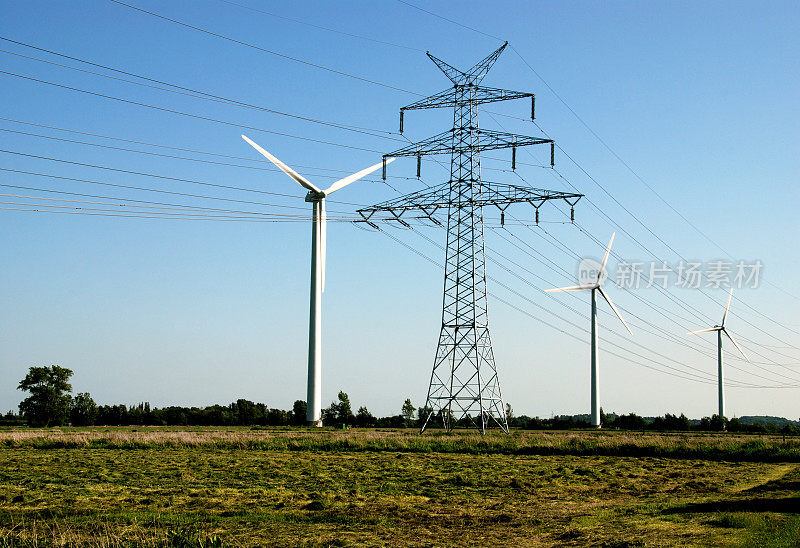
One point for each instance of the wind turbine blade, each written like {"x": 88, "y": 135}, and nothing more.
{"x": 727, "y": 306}
{"x": 739, "y": 348}
{"x": 283, "y": 167}
{"x": 572, "y": 288}
{"x": 703, "y": 331}
{"x": 614, "y": 308}
{"x": 323, "y": 228}
{"x": 605, "y": 258}
{"x": 341, "y": 183}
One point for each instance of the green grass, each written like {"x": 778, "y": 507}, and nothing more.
{"x": 242, "y": 487}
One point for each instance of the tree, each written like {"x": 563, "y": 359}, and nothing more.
{"x": 49, "y": 402}
{"x": 509, "y": 412}
{"x": 83, "y": 411}
{"x": 248, "y": 413}
{"x": 718, "y": 423}
{"x": 299, "y": 412}
{"x": 364, "y": 418}
{"x": 344, "y": 413}
{"x": 338, "y": 414}
{"x": 631, "y": 421}
{"x": 408, "y": 412}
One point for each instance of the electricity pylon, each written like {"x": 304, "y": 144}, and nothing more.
{"x": 464, "y": 380}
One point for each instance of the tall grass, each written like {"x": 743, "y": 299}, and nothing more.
{"x": 722, "y": 446}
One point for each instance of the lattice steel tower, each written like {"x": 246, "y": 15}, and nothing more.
{"x": 464, "y": 380}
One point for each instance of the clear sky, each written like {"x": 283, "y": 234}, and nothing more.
{"x": 698, "y": 100}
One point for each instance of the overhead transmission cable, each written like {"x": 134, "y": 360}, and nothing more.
{"x": 187, "y": 114}
{"x": 416, "y": 251}
{"x": 144, "y": 203}
{"x": 176, "y": 157}
{"x": 153, "y": 175}
{"x": 182, "y": 149}
{"x": 190, "y": 92}
{"x": 146, "y": 189}
{"x": 320, "y": 27}
{"x": 661, "y": 335}
{"x": 614, "y": 153}
{"x": 588, "y": 128}
{"x": 556, "y": 173}
{"x": 549, "y": 311}
{"x": 265, "y": 50}
{"x": 683, "y": 343}
{"x": 137, "y": 8}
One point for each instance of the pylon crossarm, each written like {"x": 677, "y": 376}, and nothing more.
{"x": 499, "y": 193}
{"x": 480, "y": 95}
{"x": 452, "y": 73}
{"x": 488, "y": 193}
{"x": 481, "y": 139}
{"x": 482, "y": 67}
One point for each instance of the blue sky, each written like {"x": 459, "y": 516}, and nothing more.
{"x": 699, "y": 99}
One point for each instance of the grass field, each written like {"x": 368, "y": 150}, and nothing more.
{"x": 273, "y": 487}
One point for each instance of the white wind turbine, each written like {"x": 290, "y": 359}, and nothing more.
{"x": 720, "y": 329}
{"x": 595, "y": 287}
{"x": 318, "y": 238}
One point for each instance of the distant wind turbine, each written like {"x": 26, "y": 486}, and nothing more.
{"x": 596, "y": 287}
{"x": 318, "y": 244}
{"x": 720, "y": 329}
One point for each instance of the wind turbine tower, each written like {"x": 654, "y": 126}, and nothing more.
{"x": 319, "y": 221}
{"x": 720, "y": 329}
{"x": 595, "y": 288}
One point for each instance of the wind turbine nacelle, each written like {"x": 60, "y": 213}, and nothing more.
{"x": 588, "y": 271}
{"x": 313, "y": 196}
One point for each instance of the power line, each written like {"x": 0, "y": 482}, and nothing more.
{"x": 600, "y": 139}
{"x": 182, "y": 90}
{"x": 186, "y": 158}
{"x": 682, "y": 343}
{"x": 416, "y": 251}
{"x": 529, "y": 283}
{"x": 182, "y": 149}
{"x": 306, "y": 23}
{"x": 554, "y": 171}
{"x": 473, "y": 29}
{"x": 679, "y": 342}
{"x": 271, "y": 52}
{"x": 160, "y": 216}
{"x": 638, "y": 177}
{"x": 141, "y": 203}
{"x": 137, "y": 8}
{"x": 153, "y": 175}
{"x": 130, "y": 187}
{"x": 594, "y": 133}
{"x": 187, "y": 114}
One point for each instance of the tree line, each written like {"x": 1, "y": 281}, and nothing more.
{"x": 50, "y": 403}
